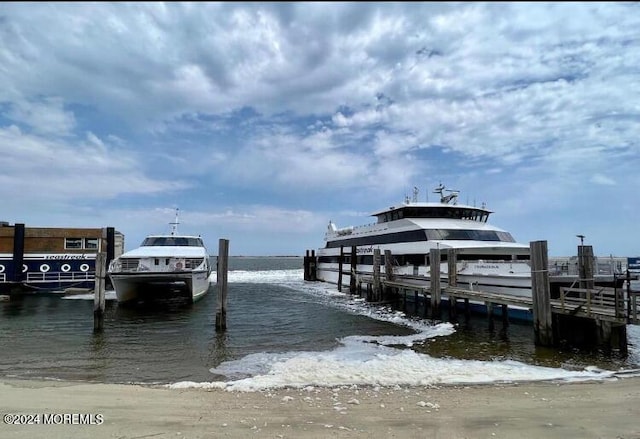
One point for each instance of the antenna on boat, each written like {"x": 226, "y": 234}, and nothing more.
{"x": 174, "y": 224}
{"x": 446, "y": 198}
{"x": 415, "y": 194}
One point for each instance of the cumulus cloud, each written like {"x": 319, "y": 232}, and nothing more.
{"x": 279, "y": 104}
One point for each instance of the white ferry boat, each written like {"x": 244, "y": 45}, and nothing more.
{"x": 163, "y": 267}
{"x": 488, "y": 258}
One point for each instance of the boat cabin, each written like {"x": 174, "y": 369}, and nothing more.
{"x": 433, "y": 210}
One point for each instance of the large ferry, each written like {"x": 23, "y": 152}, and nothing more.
{"x": 163, "y": 267}
{"x": 488, "y": 258}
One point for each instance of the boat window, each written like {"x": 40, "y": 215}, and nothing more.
{"x": 443, "y": 211}
{"x": 408, "y": 236}
{"x": 72, "y": 243}
{"x": 468, "y": 235}
{"x": 164, "y": 241}
{"x": 91, "y": 243}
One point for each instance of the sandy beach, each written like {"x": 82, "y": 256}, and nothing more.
{"x": 609, "y": 409}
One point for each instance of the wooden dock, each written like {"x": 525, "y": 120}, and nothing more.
{"x": 599, "y": 313}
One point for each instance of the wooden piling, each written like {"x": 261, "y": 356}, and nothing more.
{"x": 505, "y": 315}
{"x": 98, "y": 292}
{"x": 467, "y": 310}
{"x": 221, "y": 303}
{"x": 540, "y": 289}
{"x": 434, "y": 271}
{"x": 490, "y": 315}
{"x": 376, "y": 275}
{"x": 354, "y": 260}
{"x": 452, "y": 281}
{"x": 340, "y": 262}
{"x": 388, "y": 270}
{"x": 452, "y": 267}
{"x": 585, "y": 266}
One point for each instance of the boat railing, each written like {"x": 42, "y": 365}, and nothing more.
{"x": 70, "y": 276}
{"x": 570, "y": 266}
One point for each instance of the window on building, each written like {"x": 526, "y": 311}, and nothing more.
{"x": 91, "y": 243}
{"x": 72, "y": 243}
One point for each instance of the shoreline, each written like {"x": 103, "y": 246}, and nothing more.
{"x": 586, "y": 409}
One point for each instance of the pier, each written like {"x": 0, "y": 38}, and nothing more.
{"x": 579, "y": 313}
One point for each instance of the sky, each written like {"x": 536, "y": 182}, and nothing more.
{"x": 261, "y": 122}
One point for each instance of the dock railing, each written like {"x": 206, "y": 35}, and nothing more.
{"x": 592, "y": 302}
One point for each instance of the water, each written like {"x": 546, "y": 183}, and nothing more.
{"x": 281, "y": 331}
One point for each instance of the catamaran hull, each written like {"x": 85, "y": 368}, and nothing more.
{"x": 130, "y": 287}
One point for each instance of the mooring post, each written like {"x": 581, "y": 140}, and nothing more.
{"x": 98, "y": 292}
{"x": 388, "y": 269}
{"x": 340, "y": 262}
{"x": 353, "y": 260}
{"x": 221, "y": 303}
{"x": 452, "y": 281}
{"x": 505, "y": 315}
{"x": 376, "y": 275}
{"x": 452, "y": 267}
{"x": 540, "y": 289}
{"x": 490, "y": 315}
{"x": 585, "y": 266}
{"x": 434, "y": 272}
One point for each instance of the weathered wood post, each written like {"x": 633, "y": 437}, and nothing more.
{"x": 540, "y": 290}
{"x": 98, "y": 292}
{"x": 452, "y": 281}
{"x": 354, "y": 261}
{"x": 388, "y": 270}
{"x": 490, "y": 315}
{"x": 434, "y": 272}
{"x": 452, "y": 267}
{"x": 585, "y": 266}
{"x": 376, "y": 275}
{"x": 221, "y": 303}
{"x": 340, "y": 261}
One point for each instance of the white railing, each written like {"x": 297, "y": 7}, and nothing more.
{"x": 70, "y": 276}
